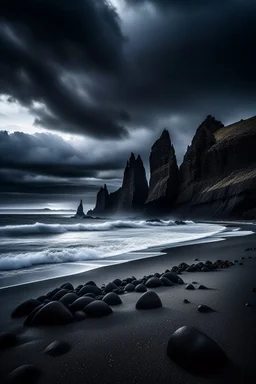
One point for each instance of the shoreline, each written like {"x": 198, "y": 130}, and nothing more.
{"x": 77, "y": 266}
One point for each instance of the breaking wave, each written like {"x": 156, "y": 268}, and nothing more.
{"x": 42, "y": 228}
{"x": 48, "y": 256}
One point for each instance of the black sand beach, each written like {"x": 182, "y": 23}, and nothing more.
{"x": 129, "y": 346}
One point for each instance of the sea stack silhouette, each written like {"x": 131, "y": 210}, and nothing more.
{"x": 80, "y": 210}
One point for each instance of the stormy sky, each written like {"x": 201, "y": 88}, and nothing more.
{"x": 85, "y": 82}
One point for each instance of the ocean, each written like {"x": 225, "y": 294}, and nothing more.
{"x": 34, "y": 247}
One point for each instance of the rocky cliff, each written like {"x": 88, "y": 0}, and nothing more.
{"x": 218, "y": 173}
{"x": 217, "y": 177}
{"x": 130, "y": 197}
{"x": 134, "y": 189}
{"x": 164, "y": 175}
{"x": 101, "y": 202}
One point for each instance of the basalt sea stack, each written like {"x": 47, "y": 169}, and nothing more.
{"x": 164, "y": 176}
{"x": 134, "y": 190}
{"x": 130, "y": 197}
{"x": 80, "y": 210}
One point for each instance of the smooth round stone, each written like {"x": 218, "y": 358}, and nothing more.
{"x": 140, "y": 288}
{"x": 30, "y": 317}
{"x": 53, "y": 313}
{"x": 112, "y": 298}
{"x": 166, "y": 282}
{"x": 194, "y": 351}
{"x": 91, "y": 282}
{"x": 57, "y": 348}
{"x": 80, "y": 303}
{"x": 119, "y": 291}
{"x": 117, "y": 282}
{"x": 204, "y": 308}
{"x": 92, "y": 295}
{"x": 68, "y": 299}
{"x": 129, "y": 287}
{"x": 149, "y": 300}
{"x": 205, "y": 269}
{"x": 190, "y": 287}
{"x": 59, "y": 294}
{"x": 186, "y": 301}
{"x": 194, "y": 282}
{"x": 26, "y": 308}
{"x": 201, "y": 286}
{"x": 241, "y": 263}
{"x": 136, "y": 282}
{"x": 110, "y": 287}
{"x": 154, "y": 282}
{"x": 98, "y": 308}
{"x": 8, "y": 340}
{"x": 79, "y": 287}
{"x": 172, "y": 276}
{"x": 79, "y": 315}
{"x": 41, "y": 298}
{"x": 90, "y": 289}
{"x": 50, "y": 294}
{"x": 68, "y": 286}
{"x": 248, "y": 305}
{"x": 25, "y": 374}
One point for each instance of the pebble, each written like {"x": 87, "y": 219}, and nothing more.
{"x": 26, "y": 308}
{"x": 204, "y": 308}
{"x": 25, "y": 374}
{"x": 190, "y": 287}
{"x": 195, "y": 352}
{"x": 57, "y": 348}
{"x": 112, "y": 298}
{"x": 140, "y": 288}
{"x": 149, "y": 300}
{"x": 154, "y": 282}
{"x": 53, "y": 313}
{"x": 98, "y": 308}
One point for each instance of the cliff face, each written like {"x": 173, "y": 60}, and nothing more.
{"x": 218, "y": 173}
{"x": 217, "y": 177}
{"x": 130, "y": 197}
{"x": 164, "y": 179}
{"x": 134, "y": 189}
{"x": 101, "y": 201}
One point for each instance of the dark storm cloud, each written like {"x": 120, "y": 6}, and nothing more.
{"x": 48, "y": 154}
{"x": 44, "y": 44}
{"x": 166, "y": 63}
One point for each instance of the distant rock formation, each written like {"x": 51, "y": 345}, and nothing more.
{"x": 164, "y": 176}
{"x": 218, "y": 173}
{"x": 101, "y": 202}
{"x": 80, "y": 210}
{"x": 217, "y": 177}
{"x": 134, "y": 189}
{"x": 130, "y": 197}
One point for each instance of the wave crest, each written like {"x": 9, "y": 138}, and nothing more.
{"x": 42, "y": 228}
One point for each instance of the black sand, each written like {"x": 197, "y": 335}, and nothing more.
{"x": 129, "y": 346}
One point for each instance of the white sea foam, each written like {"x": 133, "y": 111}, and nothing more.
{"x": 84, "y": 243}
{"x": 42, "y": 228}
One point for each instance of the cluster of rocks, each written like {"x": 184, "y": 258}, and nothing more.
{"x": 202, "y": 267}
{"x": 66, "y": 303}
